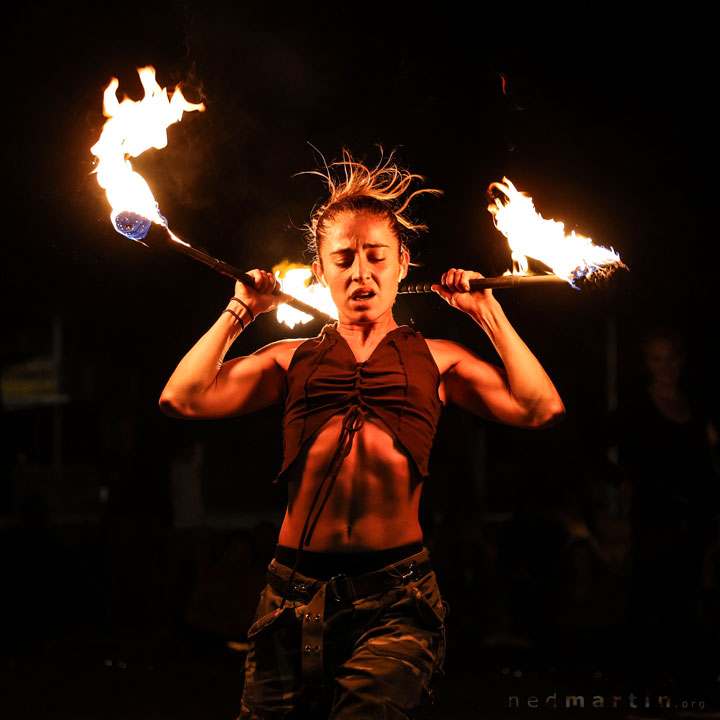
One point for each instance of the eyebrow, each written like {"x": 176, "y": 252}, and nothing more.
{"x": 348, "y": 248}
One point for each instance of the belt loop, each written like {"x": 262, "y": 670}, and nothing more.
{"x": 348, "y": 588}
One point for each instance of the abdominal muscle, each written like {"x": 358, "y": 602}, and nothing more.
{"x": 374, "y": 502}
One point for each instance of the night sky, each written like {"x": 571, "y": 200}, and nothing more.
{"x": 604, "y": 117}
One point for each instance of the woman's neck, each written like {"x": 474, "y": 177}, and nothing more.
{"x": 363, "y": 338}
{"x": 363, "y": 334}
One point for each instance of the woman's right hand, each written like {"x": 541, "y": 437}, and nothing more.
{"x": 260, "y": 299}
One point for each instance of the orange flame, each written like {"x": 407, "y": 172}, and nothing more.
{"x": 131, "y": 129}
{"x": 295, "y": 280}
{"x": 530, "y": 235}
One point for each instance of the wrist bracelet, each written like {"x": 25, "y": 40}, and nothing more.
{"x": 237, "y": 317}
{"x": 252, "y": 314}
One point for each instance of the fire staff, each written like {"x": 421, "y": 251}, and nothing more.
{"x": 351, "y": 622}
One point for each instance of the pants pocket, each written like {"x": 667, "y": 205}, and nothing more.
{"x": 430, "y": 606}
{"x": 270, "y": 608}
{"x": 432, "y": 611}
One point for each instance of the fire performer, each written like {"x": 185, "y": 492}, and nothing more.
{"x": 351, "y": 623}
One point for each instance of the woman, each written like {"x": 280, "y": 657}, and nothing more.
{"x": 351, "y": 622}
{"x": 666, "y": 444}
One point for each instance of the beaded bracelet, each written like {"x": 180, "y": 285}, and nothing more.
{"x": 252, "y": 314}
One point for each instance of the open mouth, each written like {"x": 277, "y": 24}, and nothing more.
{"x": 362, "y": 294}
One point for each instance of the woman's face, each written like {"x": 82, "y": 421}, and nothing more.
{"x": 664, "y": 361}
{"x": 361, "y": 263}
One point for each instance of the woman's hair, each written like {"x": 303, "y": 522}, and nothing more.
{"x": 354, "y": 188}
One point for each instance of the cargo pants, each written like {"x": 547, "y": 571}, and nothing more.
{"x": 373, "y": 656}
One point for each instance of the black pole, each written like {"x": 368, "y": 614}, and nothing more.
{"x": 504, "y": 281}
{"x": 159, "y": 235}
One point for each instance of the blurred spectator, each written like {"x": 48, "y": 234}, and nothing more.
{"x": 665, "y": 442}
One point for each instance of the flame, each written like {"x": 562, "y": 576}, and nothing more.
{"x": 131, "y": 129}
{"x": 530, "y": 235}
{"x": 295, "y": 280}
{"x": 134, "y": 127}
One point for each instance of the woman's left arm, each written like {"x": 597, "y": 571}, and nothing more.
{"x": 520, "y": 393}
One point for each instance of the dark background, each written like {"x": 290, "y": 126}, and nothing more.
{"x": 604, "y": 117}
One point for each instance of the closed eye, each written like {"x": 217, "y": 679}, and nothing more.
{"x": 343, "y": 259}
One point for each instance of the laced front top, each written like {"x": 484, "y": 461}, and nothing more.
{"x": 398, "y": 384}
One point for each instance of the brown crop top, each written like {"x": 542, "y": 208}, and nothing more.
{"x": 398, "y": 384}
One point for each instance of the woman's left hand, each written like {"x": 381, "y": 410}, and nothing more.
{"x": 455, "y": 289}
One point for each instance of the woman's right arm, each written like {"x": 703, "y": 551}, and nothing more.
{"x": 203, "y": 386}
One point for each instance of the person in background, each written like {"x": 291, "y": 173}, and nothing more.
{"x": 665, "y": 443}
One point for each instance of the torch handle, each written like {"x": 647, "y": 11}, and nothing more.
{"x": 503, "y": 281}
{"x": 236, "y": 274}
{"x": 218, "y": 265}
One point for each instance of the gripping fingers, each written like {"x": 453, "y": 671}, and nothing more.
{"x": 264, "y": 281}
{"x": 457, "y": 280}
{"x": 258, "y": 298}
{"x": 455, "y": 289}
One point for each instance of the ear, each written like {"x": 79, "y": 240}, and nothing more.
{"x": 317, "y": 269}
{"x": 404, "y": 264}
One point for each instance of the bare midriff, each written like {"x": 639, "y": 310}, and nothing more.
{"x": 374, "y": 502}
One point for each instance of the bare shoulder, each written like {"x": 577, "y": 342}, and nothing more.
{"x": 280, "y": 352}
{"x": 446, "y": 353}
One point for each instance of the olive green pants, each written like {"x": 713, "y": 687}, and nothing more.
{"x": 376, "y": 654}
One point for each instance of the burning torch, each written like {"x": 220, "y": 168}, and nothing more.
{"x": 133, "y": 127}
{"x": 572, "y": 258}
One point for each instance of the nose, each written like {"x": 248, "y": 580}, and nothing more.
{"x": 361, "y": 268}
